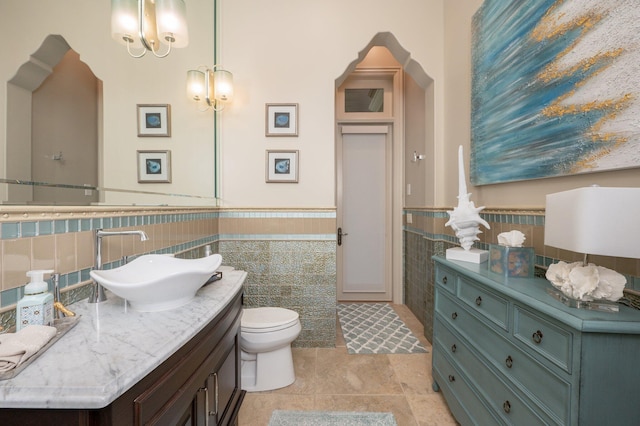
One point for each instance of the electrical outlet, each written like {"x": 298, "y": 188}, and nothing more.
{"x": 409, "y": 218}
{"x": 408, "y": 189}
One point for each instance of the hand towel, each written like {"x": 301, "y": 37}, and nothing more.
{"x": 16, "y": 348}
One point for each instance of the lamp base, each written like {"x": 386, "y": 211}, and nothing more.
{"x": 593, "y": 305}
{"x": 473, "y": 255}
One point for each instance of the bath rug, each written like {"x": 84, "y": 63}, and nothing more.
{"x": 375, "y": 328}
{"x": 330, "y": 418}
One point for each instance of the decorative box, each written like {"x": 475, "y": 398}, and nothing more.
{"x": 512, "y": 261}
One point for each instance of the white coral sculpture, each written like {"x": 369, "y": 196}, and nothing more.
{"x": 465, "y": 219}
{"x": 586, "y": 282}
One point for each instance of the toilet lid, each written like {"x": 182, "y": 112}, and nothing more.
{"x": 261, "y": 318}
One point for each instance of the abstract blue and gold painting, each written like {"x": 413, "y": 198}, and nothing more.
{"x": 555, "y": 88}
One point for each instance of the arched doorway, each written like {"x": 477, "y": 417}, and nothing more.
{"x": 409, "y": 120}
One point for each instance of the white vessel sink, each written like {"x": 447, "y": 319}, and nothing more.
{"x": 156, "y": 282}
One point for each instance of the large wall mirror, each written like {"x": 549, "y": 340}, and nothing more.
{"x": 69, "y": 134}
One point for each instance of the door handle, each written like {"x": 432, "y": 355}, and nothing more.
{"x": 340, "y": 235}
{"x": 206, "y": 404}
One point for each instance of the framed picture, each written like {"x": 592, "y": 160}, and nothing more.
{"x": 154, "y": 120}
{"x": 282, "y": 166}
{"x": 281, "y": 120}
{"x": 154, "y": 166}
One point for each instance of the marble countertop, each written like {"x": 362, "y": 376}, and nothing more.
{"x": 113, "y": 347}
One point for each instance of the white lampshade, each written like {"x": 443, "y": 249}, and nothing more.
{"x": 196, "y": 85}
{"x": 594, "y": 220}
{"x": 223, "y": 85}
{"x": 124, "y": 22}
{"x": 171, "y": 19}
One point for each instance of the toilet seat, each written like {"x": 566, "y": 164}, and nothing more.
{"x": 266, "y": 319}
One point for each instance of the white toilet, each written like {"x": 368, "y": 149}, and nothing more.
{"x": 265, "y": 341}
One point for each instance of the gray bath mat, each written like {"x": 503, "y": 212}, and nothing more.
{"x": 375, "y": 328}
{"x": 330, "y": 418}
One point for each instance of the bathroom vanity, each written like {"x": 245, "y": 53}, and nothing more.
{"x": 121, "y": 367}
{"x": 507, "y": 352}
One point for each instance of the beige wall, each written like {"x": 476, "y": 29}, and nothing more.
{"x": 293, "y": 51}
{"x": 278, "y": 51}
{"x": 530, "y": 193}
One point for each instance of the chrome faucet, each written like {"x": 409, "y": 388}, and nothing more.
{"x": 98, "y": 291}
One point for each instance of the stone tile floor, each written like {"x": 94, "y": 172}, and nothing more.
{"x": 329, "y": 379}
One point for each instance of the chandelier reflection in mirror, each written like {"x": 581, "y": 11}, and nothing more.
{"x": 214, "y": 88}
{"x": 148, "y": 25}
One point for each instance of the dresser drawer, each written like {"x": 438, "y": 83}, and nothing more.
{"x": 450, "y": 311}
{"x": 463, "y": 401}
{"x": 446, "y": 278}
{"x": 549, "y": 340}
{"x": 487, "y": 303}
{"x": 538, "y": 383}
{"x": 499, "y": 397}
{"x": 502, "y": 400}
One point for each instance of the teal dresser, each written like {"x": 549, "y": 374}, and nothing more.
{"x": 506, "y": 352}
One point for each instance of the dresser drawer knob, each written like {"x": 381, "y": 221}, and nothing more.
{"x": 478, "y": 300}
{"x": 454, "y": 315}
{"x": 451, "y": 378}
{"x": 444, "y": 280}
{"x": 454, "y": 348}
{"x": 537, "y": 336}
{"x": 509, "y": 361}
{"x": 506, "y": 406}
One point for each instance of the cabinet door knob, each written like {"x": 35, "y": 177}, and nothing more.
{"x": 451, "y": 378}
{"x": 478, "y": 300}
{"x": 506, "y": 406}
{"x": 509, "y": 361}
{"x": 537, "y": 336}
{"x": 454, "y": 315}
{"x": 453, "y": 348}
{"x": 444, "y": 280}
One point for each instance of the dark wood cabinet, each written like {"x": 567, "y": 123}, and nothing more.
{"x": 198, "y": 385}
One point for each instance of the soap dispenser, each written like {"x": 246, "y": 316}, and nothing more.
{"x": 36, "y": 307}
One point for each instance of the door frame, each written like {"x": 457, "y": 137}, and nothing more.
{"x": 396, "y": 120}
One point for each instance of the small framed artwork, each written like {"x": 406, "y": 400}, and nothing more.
{"x": 281, "y": 120}
{"x": 154, "y": 120}
{"x": 154, "y": 166}
{"x": 282, "y": 166}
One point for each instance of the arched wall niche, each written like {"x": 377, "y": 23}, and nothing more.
{"x": 53, "y": 118}
{"x": 388, "y": 40}
{"x": 418, "y": 120}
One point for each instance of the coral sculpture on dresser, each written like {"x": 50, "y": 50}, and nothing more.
{"x": 465, "y": 221}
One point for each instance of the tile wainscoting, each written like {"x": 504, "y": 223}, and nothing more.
{"x": 290, "y": 258}
{"x": 426, "y": 235}
{"x": 289, "y": 254}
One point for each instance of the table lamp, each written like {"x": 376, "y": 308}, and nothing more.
{"x": 594, "y": 220}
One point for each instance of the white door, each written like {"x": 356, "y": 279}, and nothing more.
{"x": 364, "y": 213}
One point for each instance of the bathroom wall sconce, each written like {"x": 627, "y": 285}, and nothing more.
{"x": 417, "y": 157}
{"x": 213, "y": 87}
{"x": 148, "y": 24}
